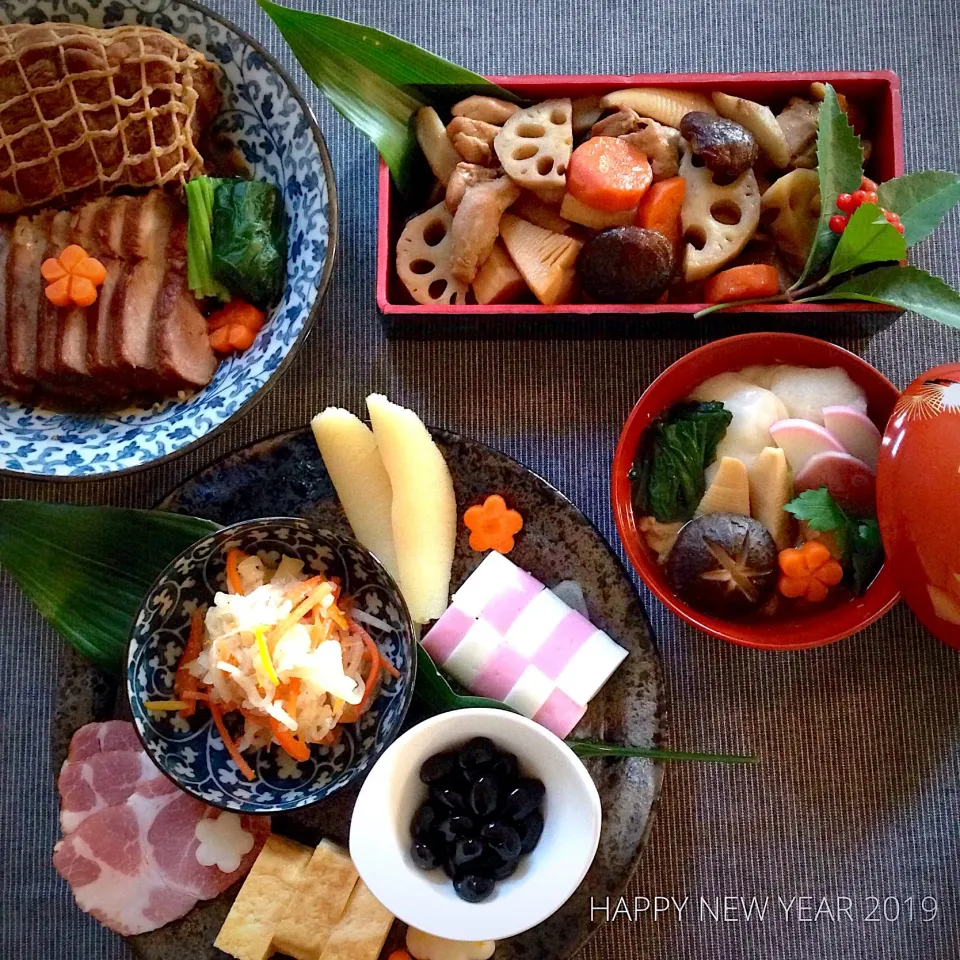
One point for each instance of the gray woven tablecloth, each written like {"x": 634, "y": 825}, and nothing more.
{"x": 858, "y": 795}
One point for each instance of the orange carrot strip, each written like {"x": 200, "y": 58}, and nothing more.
{"x": 296, "y": 615}
{"x": 184, "y": 682}
{"x": 742, "y": 283}
{"x": 296, "y": 748}
{"x": 607, "y": 173}
{"x": 290, "y": 701}
{"x": 660, "y": 208}
{"x": 353, "y": 712}
{"x": 234, "y": 558}
{"x": 228, "y": 742}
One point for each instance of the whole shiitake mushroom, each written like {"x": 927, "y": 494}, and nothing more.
{"x": 724, "y": 564}
{"x": 726, "y": 148}
{"x": 626, "y": 265}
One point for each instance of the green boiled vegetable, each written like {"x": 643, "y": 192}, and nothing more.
{"x": 200, "y": 277}
{"x": 668, "y": 473}
{"x": 87, "y": 569}
{"x": 249, "y": 240}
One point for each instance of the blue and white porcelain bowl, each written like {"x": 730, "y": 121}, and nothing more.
{"x": 191, "y": 751}
{"x": 268, "y": 120}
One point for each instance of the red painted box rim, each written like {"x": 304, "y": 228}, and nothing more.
{"x": 892, "y": 152}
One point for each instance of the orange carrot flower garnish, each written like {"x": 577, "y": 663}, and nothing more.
{"x": 492, "y": 526}
{"x": 73, "y": 277}
{"x": 808, "y": 571}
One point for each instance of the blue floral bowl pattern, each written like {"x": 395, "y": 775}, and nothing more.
{"x": 274, "y": 129}
{"x": 191, "y": 751}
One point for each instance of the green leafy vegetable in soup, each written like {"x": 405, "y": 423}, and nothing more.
{"x": 249, "y": 234}
{"x": 858, "y": 538}
{"x": 668, "y": 473}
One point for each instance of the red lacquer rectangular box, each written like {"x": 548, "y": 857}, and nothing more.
{"x": 876, "y": 92}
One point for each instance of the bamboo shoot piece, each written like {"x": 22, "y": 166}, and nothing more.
{"x": 545, "y": 259}
{"x": 730, "y": 490}
{"x": 436, "y": 146}
{"x": 424, "y": 507}
{"x": 350, "y": 454}
{"x": 499, "y": 280}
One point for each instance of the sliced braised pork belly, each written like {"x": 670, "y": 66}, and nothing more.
{"x": 28, "y": 249}
{"x": 144, "y": 336}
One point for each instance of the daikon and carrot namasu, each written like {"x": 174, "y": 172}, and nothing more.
{"x": 280, "y": 648}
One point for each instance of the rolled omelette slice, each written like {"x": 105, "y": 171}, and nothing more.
{"x": 350, "y": 454}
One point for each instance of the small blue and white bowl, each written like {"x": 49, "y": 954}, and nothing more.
{"x": 267, "y": 119}
{"x": 190, "y": 751}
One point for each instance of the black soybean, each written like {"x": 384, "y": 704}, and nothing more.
{"x": 424, "y": 856}
{"x": 502, "y": 840}
{"x": 472, "y": 888}
{"x": 465, "y": 850}
{"x": 454, "y": 797}
{"x": 479, "y": 752}
{"x": 455, "y": 827}
{"x": 478, "y": 785}
{"x": 484, "y": 796}
{"x": 438, "y": 767}
{"x": 424, "y": 821}
{"x": 523, "y": 799}
{"x": 530, "y": 829}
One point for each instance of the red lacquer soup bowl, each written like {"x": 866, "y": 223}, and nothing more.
{"x": 918, "y": 493}
{"x": 675, "y": 384}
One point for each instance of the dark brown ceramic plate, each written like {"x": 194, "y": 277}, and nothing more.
{"x": 284, "y": 476}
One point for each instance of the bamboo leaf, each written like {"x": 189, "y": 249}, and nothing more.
{"x": 907, "y": 287}
{"x": 867, "y": 238}
{"x": 921, "y": 200}
{"x": 87, "y": 569}
{"x": 375, "y": 80}
{"x": 436, "y": 694}
{"x": 597, "y": 748}
{"x": 840, "y": 168}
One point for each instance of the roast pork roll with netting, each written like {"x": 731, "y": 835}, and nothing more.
{"x": 84, "y": 110}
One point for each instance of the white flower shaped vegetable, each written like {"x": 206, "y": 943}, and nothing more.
{"x": 223, "y": 842}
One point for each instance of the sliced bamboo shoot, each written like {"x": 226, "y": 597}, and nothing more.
{"x": 350, "y": 454}
{"x": 665, "y": 106}
{"x": 730, "y": 490}
{"x": 424, "y": 507}
{"x": 436, "y": 146}
{"x": 771, "y": 489}
{"x": 576, "y": 212}
{"x": 545, "y": 259}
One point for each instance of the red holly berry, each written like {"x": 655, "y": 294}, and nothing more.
{"x": 859, "y": 196}
{"x": 838, "y": 223}
{"x": 870, "y": 196}
{"x": 845, "y": 202}
{"x": 892, "y": 217}
{"x": 900, "y": 228}
{"x": 869, "y": 185}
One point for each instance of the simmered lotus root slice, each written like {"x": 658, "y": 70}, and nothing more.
{"x": 793, "y": 203}
{"x": 717, "y": 220}
{"x": 423, "y": 258}
{"x": 662, "y": 105}
{"x": 760, "y": 121}
{"x": 534, "y": 147}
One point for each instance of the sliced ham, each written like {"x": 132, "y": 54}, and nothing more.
{"x": 185, "y": 359}
{"x": 130, "y": 847}
{"x": 135, "y": 330}
{"x": 6, "y": 232}
{"x": 102, "y": 780}
{"x": 48, "y": 316}
{"x": 102, "y": 738}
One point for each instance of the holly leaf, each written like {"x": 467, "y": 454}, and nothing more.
{"x": 906, "y": 287}
{"x": 840, "y": 169}
{"x": 922, "y": 200}
{"x": 867, "y": 238}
